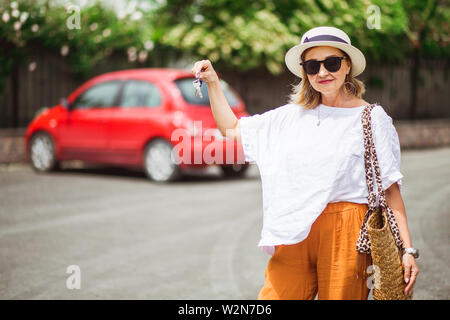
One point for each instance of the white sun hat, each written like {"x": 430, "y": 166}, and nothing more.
{"x": 325, "y": 36}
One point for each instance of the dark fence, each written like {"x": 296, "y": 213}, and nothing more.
{"x": 38, "y": 82}
{"x": 45, "y": 78}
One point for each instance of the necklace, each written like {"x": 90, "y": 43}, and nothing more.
{"x": 318, "y": 115}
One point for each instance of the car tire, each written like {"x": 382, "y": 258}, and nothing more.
{"x": 235, "y": 170}
{"x": 158, "y": 163}
{"x": 42, "y": 152}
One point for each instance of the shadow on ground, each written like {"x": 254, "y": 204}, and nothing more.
{"x": 212, "y": 174}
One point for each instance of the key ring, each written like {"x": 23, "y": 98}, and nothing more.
{"x": 197, "y": 83}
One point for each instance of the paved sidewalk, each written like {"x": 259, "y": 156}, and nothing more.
{"x": 12, "y": 145}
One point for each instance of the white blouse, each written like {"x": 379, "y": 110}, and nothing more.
{"x": 304, "y": 167}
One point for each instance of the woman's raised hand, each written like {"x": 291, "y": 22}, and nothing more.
{"x": 204, "y": 70}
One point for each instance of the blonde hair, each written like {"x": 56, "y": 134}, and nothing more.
{"x": 305, "y": 95}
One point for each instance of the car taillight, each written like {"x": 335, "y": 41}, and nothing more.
{"x": 193, "y": 128}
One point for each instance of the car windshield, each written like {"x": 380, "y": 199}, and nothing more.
{"x": 188, "y": 92}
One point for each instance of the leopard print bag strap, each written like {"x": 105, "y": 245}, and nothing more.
{"x": 363, "y": 243}
{"x": 381, "y": 194}
{"x": 366, "y": 123}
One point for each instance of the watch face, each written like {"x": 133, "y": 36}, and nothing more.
{"x": 413, "y": 251}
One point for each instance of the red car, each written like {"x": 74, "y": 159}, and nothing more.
{"x": 146, "y": 118}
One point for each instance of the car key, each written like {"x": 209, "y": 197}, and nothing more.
{"x": 197, "y": 85}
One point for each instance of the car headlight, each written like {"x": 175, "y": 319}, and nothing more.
{"x": 40, "y": 111}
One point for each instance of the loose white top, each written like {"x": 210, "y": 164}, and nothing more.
{"x": 304, "y": 167}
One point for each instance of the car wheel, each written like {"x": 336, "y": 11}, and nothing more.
{"x": 43, "y": 153}
{"x": 234, "y": 170}
{"x": 158, "y": 163}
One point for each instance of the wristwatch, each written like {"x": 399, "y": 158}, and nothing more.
{"x": 412, "y": 251}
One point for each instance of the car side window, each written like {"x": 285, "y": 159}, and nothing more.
{"x": 188, "y": 92}
{"x": 101, "y": 95}
{"x": 138, "y": 93}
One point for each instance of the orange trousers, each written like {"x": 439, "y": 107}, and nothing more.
{"x": 326, "y": 263}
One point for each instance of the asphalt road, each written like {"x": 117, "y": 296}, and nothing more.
{"x": 194, "y": 239}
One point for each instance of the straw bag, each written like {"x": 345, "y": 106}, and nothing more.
{"x": 379, "y": 235}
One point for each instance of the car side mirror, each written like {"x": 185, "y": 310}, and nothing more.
{"x": 64, "y": 103}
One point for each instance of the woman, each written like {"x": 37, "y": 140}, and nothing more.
{"x": 310, "y": 157}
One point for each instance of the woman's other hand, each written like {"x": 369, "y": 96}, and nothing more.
{"x": 411, "y": 272}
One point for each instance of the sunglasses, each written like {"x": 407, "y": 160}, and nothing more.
{"x": 332, "y": 64}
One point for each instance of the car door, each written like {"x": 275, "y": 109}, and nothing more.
{"x": 83, "y": 133}
{"x": 133, "y": 121}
